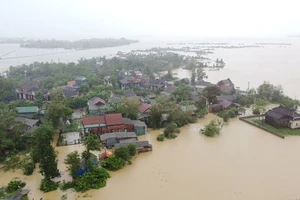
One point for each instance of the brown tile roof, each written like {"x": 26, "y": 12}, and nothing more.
{"x": 143, "y": 108}
{"x": 114, "y": 119}
{"x": 71, "y": 83}
{"x": 93, "y": 120}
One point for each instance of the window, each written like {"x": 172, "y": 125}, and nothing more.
{"x": 125, "y": 130}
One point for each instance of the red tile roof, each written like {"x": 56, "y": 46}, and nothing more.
{"x": 93, "y": 120}
{"x": 98, "y": 100}
{"x": 114, "y": 119}
{"x": 143, "y": 108}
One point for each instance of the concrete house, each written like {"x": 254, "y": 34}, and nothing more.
{"x": 27, "y": 91}
{"x": 97, "y": 106}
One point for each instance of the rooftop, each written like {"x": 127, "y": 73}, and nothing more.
{"x": 93, "y": 120}
{"x": 119, "y": 135}
{"x": 29, "y": 109}
{"x": 114, "y": 119}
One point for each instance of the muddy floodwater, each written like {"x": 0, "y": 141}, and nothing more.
{"x": 244, "y": 162}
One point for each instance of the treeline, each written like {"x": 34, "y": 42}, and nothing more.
{"x": 266, "y": 93}
{"x": 79, "y": 44}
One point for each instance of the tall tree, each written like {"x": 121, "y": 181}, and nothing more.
{"x": 193, "y": 78}
{"x": 73, "y": 162}
{"x": 201, "y": 74}
{"x": 91, "y": 143}
{"x": 210, "y": 93}
{"x": 43, "y": 152}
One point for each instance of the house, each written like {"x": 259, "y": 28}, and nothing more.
{"x": 226, "y": 97}
{"x": 141, "y": 146}
{"x": 154, "y": 84}
{"x": 116, "y": 99}
{"x": 30, "y": 124}
{"x": 27, "y": 112}
{"x": 126, "y": 82}
{"x": 144, "y": 110}
{"x": 105, "y": 124}
{"x": 110, "y": 139}
{"x": 202, "y": 84}
{"x": 283, "y": 117}
{"x": 137, "y": 73}
{"x": 80, "y": 80}
{"x": 167, "y": 91}
{"x": 27, "y": 91}
{"x": 228, "y": 104}
{"x": 215, "y": 108}
{"x": 69, "y": 91}
{"x": 129, "y": 94}
{"x": 71, "y": 83}
{"x": 114, "y": 122}
{"x": 97, "y": 106}
{"x": 226, "y": 86}
{"x": 139, "y": 127}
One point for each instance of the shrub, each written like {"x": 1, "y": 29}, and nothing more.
{"x": 160, "y": 137}
{"x": 132, "y": 149}
{"x": 123, "y": 153}
{"x": 212, "y": 129}
{"x": 48, "y": 185}
{"x": 14, "y": 185}
{"x": 256, "y": 111}
{"x": 113, "y": 163}
{"x": 171, "y": 136}
{"x": 92, "y": 180}
{"x": 66, "y": 185}
{"x": 28, "y": 168}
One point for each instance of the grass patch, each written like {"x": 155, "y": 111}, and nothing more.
{"x": 282, "y": 131}
{"x": 4, "y": 194}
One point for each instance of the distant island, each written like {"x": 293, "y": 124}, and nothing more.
{"x": 79, "y": 44}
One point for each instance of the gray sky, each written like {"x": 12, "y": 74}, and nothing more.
{"x": 75, "y": 19}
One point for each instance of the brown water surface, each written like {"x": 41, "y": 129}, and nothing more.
{"x": 244, "y": 162}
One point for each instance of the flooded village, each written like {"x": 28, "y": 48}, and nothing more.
{"x": 136, "y": 105}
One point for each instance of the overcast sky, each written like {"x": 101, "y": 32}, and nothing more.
{"x": 75, "y": 19}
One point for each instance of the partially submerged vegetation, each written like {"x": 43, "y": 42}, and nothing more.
{"x": 212, "y": 129}
{"x": 121, "y": 157}
{"x": 13, "y": 187}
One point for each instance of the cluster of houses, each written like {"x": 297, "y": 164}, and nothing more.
{"x": 29, "y": 91}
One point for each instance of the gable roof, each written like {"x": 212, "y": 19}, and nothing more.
{"x": 225, "y": 82}
{"x": 226, "y": 97}
{"x": 202, "y": 83}
{"x": 143, "y": 108}
{"x": 139, "y": 144}
{"x": 114, "y": 119}
{"x": 69, "y": 91}
{"x": 28, "y": 109}
{"x": 155, "y": 82}
{"x": 93, "y": 120}
{"x": 119, "y": 135}
{"x": 29, "y": 87}
{"x": 281, "y": 111}
{"x": 97, "y": 101}
{"x": 129, "y": 93}
{"x": 28, "y": 122}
